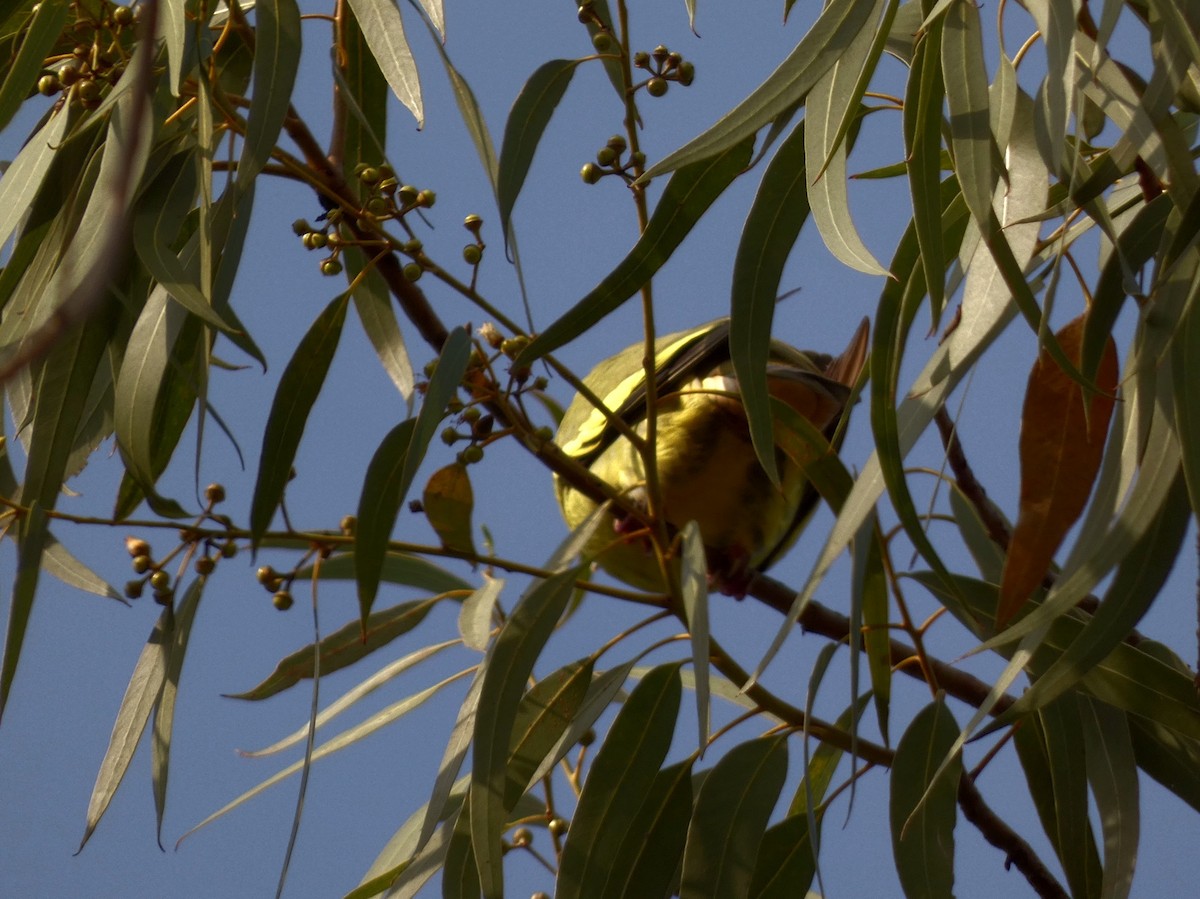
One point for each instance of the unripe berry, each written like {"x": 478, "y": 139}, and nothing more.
{"x": 590, "y": 173}
{"x": 558, "y": 826}
{"x": 686, "y": 73}
{"x": 141, "y": 564}
{"x": 473, "y": 223}
{"x": 282, "y": 600}
{"x": 133, "y": 589}
{"x": 617, "y": 143}
{"x": 122, "y": 16}
{"x": 348, "y": 525}
{"x": 449, "y": 436}
{"x": 606, "y": 156}
{"x": 413, "y": 271}
{"x": 160, "y": 580}
{"x": 214, "y": 493}
{"x": 641, "y": 59}
{"x": 408, "y": 194}
{"x": 378, "y": 206}
{"x": 265, "y": 574}
{"x": 602, "y": 41}
{"x": 657, "y": 87}
{"x": 205, "y": 565}
{"x": 426, "y": 198}
{"x": 472, "y": 254}
{"x": 229, "y": 550}
{"x": 136, "y": 546}
{"x": 472, "y": 454}
{"x": 300, "y": 227}
{"x": 660, "y": 53}
{"x": 369, "y": 175}
{"x": 49, "y": 85}
{"x": 88, "y": 91}
{"x": 331, "y": 267}
{"x": 522, "y": 836}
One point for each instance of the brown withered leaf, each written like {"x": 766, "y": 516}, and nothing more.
{"x": 1061, "y": 448}
{"x": 448, "y": 502}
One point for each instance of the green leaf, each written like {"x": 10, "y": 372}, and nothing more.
{"x": 164, "y": 708}
{"x": 343, "y": 647}
{"x": 779, "y": 211}
{"x": 140, "y": 698}
{"x": 1112, "y": 773}
{"x": 619, "y": 781}
{"x": 444, "y": 785}
{"x": 383, "y": 29}
{"x": 527, "y": 121}
{"x": 688, "y": 194}
{"x": 299, "y": 386}
{"x": 923, "y": 808}
{"x": 26, "y": 174}
{"x": 545, "y": 713}
{"x": 392, "y": 469}
{"x": 869, "y": 588}
{"x": 373, "y": 303}
{"x": 398, "y": 568}
{"x": 786, "y": 860}
{"x": 32, "y": 535}
{"x": 924, "y": 97}
{"x": 730, "y": 818}
{"x": 653, "y": 845}
{"x": 161, "y": 340}
{"x": 277, "y": 43}
{"x": 1185, "y": 370}
{"x": 45, "y": 25}
{"x": 694, "y": 591}
{"x": 506, "y": 670}
{"x": 1171, "y": 759}
{"x": 475, "y": 617}
{"x": 787, "y": 86}
{"x": 831, "y": 108}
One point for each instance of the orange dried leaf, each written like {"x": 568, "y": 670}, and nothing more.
{"x": 448, "y": 502}
{"x": 1062, "y": 444}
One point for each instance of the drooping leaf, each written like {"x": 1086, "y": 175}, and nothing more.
{"x": 1113, "y": 777}
{"x": 546, "y": 711}
{"x": 923, "y": 809}
{"x": 277, "y": 43}
{"x": 383, "y": 29}
{"x": 298, "y": 388}
{"x": 1062, "y": 444}
{"x": 617, "y": 784}
{"x": 527, "y": 121}
{"x": 31, "y": 539}
{"x": 475, "y": 618}
{"x": 730, "y": 818}
{"x": 653, "y": 846}
{"x": 779, "y": 211}
{"x": 512, "y": 659}
{"x": 693, "y": 588}
{"x": 448, "y": 502}
{"x": 140, "y": 698}
{"x": 394, "y": 465}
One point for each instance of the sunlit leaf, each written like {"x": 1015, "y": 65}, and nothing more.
{"x": 693, "y": 588}
{"x": 383, "y": 29}
{"x": 477, "y": 613}
{"x": 1112, "y": 774}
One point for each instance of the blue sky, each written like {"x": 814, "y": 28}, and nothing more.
{"x": 81, "y": 649}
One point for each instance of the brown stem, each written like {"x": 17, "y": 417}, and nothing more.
{"x": 1018, "y": 853}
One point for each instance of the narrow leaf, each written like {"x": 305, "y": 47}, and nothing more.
{"x": 299, "y": 386}
{"x": 1062, "y": 444}
{"x": 694, "y": 591}
{"x": 923, "y": 809}
{"x": 730, "y": 818}
{"x": 527, "y": 121}
{"x": 383, "y": 28}
{"x": 512, "y": 659}
{"x": 617, "y": 784}
{"x": 277, "y": 43}
{"x": 32, "y": 535}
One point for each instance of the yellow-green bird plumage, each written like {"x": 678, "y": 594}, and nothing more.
{"x": 707, "y": 469}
